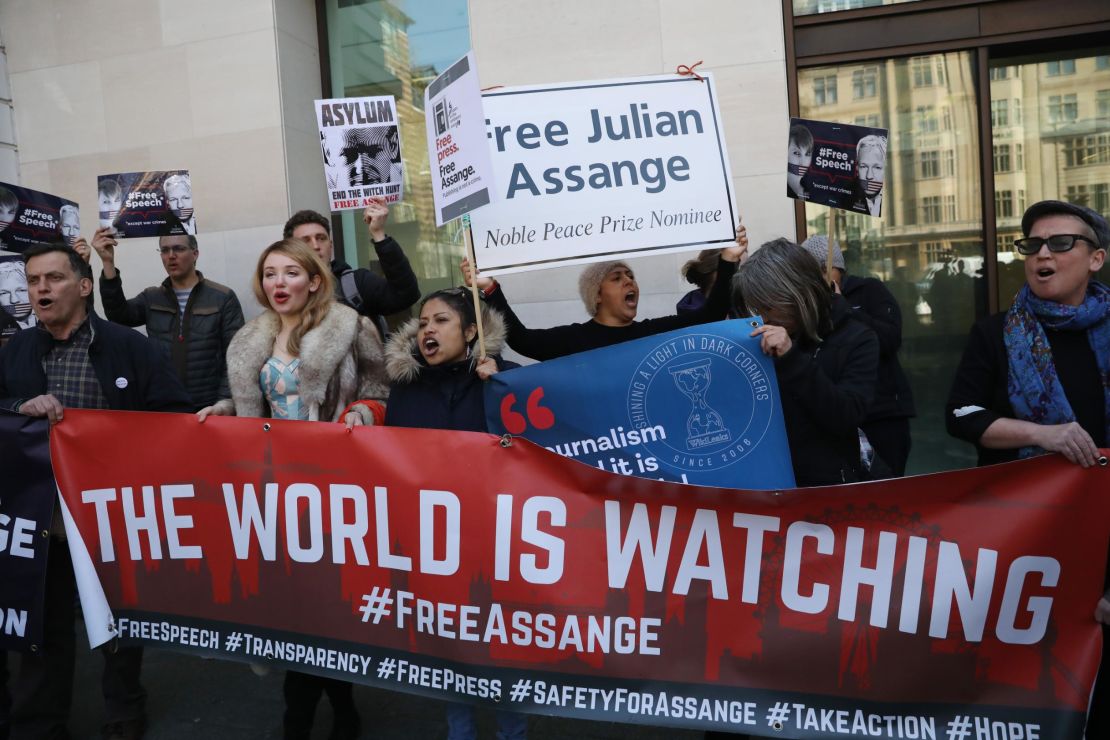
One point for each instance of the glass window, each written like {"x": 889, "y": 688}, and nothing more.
{"x": 1103, "y": 103}
{"x": 1063, "y": 108}
{"x": 1060, "y": 67}
{"x": 809, "y": 7}
{"x": 922, "y": 68}
{"x": 1000, "y": 113}
{"x": 930, "y": 164}
{"x": 1061, "y": 152}
{"x": 928, "y": 246}
{"x": 375, "y": 49}
{"x": 824, "y": 90}
{"x": 1102, "y": 62}
{"x": 864, "y": 82}
{"x": 1002, "y": 158}
{"x": 927, "y": 118}
{"x": 1003, "y": 203}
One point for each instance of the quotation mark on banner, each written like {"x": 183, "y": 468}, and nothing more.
{"x": 777, "y": 715}
{"x": 540, "y": 417}
{"x": 959, "y": 728}
{"x": 233, "y": 641}
{"x": 386, "y": 666}
{"x": 376, "y": 604}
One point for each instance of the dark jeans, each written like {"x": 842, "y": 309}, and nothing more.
{"x": 302, "y": 694}
{"x": 43, "y": 689}
{"x": 891, "y": 440}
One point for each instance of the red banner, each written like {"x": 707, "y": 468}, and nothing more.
{"x": 956, "y": 605}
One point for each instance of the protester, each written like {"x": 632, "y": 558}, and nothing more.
{"x": 887, "y": 425}
{"x": 306, "y": 357}
{"x": 870, "y": 174}
{"x": 611, "y": 296}
{"x": 369, "y": 294}
{"x": 1036, "y": 378}
{"x": 436, "y": 383}
{"x": 191, "y": 318}
{"x": 701, "y": 272}
{"x": 84, "y": 362}
{"x": 825, "y": 359}
{"x": 799, "y": 156}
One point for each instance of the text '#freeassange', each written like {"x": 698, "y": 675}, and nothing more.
{"x": 308, "y": 524}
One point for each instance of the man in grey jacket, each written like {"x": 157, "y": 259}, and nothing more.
{"x": 191, "y": 318}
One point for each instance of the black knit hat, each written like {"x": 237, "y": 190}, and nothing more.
{"x": 1091, "y": 218}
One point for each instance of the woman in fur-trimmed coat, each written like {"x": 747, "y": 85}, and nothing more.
{"x": 306, "y": 357}
{"x": 435, "y": 381}
{"x": 309, "y": 358}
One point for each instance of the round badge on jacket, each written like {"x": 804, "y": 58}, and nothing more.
{"x": 121, "y": 383}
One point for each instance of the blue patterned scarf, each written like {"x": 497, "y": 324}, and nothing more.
{"x": 1033, "y": 386}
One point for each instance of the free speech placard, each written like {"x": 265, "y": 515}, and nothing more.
{"x": 155, "y": 203}
{"x": 589, "y": 170}
{"x": 698, "y": 405}
{"x": 30, "y": 217}
{"x": 836, "y": 164}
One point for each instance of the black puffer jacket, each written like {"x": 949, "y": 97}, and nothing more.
{"x": 439, "y": 396}
{"x": 826, "y": 390}
{"x": 196, "y": 345}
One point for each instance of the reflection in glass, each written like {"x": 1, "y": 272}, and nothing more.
{"x": 394, "y": 47}
{"x": 810, "y": 7}
{"x": 928, "y": 245}
{"x": 1059, "y": 150}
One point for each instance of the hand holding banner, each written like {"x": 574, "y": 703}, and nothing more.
{"x": 698, "y": 405}
{"x": 883, "y": 609}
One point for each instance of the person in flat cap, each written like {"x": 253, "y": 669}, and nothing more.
{"x": 1036, "y": 378}
{"x": 887, "y": 424}
{"x": 611, "y": 297}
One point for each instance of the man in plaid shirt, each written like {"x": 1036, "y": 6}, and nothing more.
{"x": 75, "y": 359}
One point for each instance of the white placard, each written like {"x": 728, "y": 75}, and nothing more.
{"x": 589, "y": 171}
{"x": 361, "y": 147}
{"x": 460, "y": 158}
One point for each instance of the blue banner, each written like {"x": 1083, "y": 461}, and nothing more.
{"x": 699, "y": 405}
{"x": 27, "y": 499}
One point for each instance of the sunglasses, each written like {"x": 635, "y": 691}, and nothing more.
{"x": 1056, "y": 243}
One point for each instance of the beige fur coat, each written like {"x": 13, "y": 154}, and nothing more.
{"x": 341, "y": 362}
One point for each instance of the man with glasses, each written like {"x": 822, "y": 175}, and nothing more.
{"x": 191, "y": 318}
{"x": 1034, "y": 378}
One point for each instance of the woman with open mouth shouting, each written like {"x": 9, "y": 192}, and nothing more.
{"x": 310, "y": 358}
{"x": 436, "y": 382}
{"x": 611, "y": 296}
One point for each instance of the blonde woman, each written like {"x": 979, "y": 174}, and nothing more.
{"x": 306, "y": 357}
